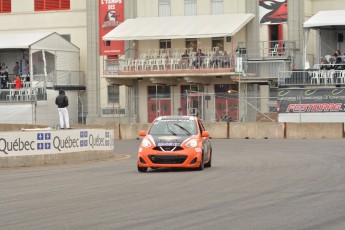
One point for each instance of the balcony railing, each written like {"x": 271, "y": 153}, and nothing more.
{"x": 312, "y": 77}
{"x": 267, "y": 49}
{"x": 164, "y": 61}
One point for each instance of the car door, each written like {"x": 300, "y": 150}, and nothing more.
{"x": 205, "y": 141}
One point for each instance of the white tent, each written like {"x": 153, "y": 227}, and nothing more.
{"x": 48, "y": 53}
{"x": 323, "y": 20}
{"x": 200, "y": 26}
{"x": 334, "y": 19}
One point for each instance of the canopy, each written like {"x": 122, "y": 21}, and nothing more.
{"x": 201, "y": 26}
{"x": 334, "y": 20}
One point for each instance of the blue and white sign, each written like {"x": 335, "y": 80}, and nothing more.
{"x": 54, "y": 141}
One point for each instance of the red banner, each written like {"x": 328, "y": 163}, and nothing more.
{"x": 111, "y": 14}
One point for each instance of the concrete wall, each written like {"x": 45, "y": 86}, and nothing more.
{"x": 314, "y": 130}
{"x": 53, "y": 159}
{"x": 257, "y": 130}
{"x": 217, "y": 130}
{"x": 223, "y": 130}
{"x": 131, "y": 131}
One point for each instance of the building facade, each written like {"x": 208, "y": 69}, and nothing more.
{"x": 148, "y": 77}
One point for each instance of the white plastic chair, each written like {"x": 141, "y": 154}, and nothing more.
{"x": 10, "y": 96}
{"x": 275, "y": 50}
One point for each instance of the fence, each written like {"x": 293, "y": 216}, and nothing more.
{"x": 213, "y": 107}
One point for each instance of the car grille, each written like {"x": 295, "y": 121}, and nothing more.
{"x": 158, "y": 159}
{"x": 168, "y": 148}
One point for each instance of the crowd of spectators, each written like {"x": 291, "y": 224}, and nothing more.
{"x": 336, "y": 62}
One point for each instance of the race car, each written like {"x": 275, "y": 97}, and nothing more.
{"x": 175, "y": 142}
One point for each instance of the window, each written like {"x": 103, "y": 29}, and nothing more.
{"x": 159, "y": 91}
{"x": 67, "y": 37}
{"x": 45, "y": 5}
{"x": 218, "y": 42}
{"x": 192, "y": 43}
{"x": 5, "y": 6}
{"x": 190, "y": 7}
{"x": 217, "y": 7}
{"x": 113, "y": 94}
{"x": 165, "y": 44}
{"x": 163, "y": 8}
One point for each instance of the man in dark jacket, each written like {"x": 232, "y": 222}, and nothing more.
{"x": 62, "y": 102}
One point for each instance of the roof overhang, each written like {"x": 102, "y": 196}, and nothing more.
{"x": 179, "y": 27}
{"x": 327, "y": 20}
{"x": 21, "y": 40}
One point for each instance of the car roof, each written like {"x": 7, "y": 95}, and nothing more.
{"x": 162, "y": 118}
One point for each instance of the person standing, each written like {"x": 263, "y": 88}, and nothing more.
{"x": 62, "y": 102}
{"x": 16, "y": 69}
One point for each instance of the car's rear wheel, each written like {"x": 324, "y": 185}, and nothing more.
{"x": 142, "y": 169}
{"x": 209, "y": 163}
{"x": 201, "y": 166}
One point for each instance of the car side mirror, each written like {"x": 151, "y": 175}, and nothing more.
{"x": 205, "y": 134}
{"x": 142, "y": 133}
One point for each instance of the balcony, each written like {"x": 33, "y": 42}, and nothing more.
{"x": 170, "y": 66}
{"x": 312, "y": 77}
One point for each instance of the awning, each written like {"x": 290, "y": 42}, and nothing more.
{"x": 20, "y": 40}
{"x": 334, "y": 19}
{"x": 201, "y": 26}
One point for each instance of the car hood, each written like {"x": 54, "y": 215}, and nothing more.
{"x": 170, "y": 140}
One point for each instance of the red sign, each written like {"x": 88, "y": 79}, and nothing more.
{"x": 111, "y": 14}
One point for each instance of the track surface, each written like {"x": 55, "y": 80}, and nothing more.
{"x": 253, "y": 184}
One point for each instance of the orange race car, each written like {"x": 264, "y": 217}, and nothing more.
{"x": 175, "y": 142}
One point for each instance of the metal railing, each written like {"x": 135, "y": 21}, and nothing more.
{"x": 312, "y": 77}
{"x": 267, "y": 49}
{"x": 169, "y": 64}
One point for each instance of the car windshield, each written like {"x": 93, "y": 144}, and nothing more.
{"x": 173, "y": 127}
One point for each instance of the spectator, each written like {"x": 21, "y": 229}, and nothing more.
{"x": 217, "y": 59}
{"x": 184, "y": 62}
{"x": 4, "y": 80}
{"x": 3, "y": 69}
{"x": 27, "y": 70}
{"x": 16, "y": 69}
{"x": 62, "y": 102}
{"x": 18, "y": 82}
{"x": 337, "y": 64}
{"x": 325, "y": 63}
{"x": 226, "y": 60}
{"x": 198, "y": 59}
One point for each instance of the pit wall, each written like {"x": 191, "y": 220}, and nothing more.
{"x": 227, "y": 130}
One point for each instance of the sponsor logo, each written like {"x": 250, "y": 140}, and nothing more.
{"x": 325, "y": 107}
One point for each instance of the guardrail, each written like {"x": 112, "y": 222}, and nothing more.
{"x": 312, "y": 77}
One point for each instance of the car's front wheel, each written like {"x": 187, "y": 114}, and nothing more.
{"x": 142, "y": 169}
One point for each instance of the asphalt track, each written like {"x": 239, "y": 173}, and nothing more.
{"x": 253, "y": 184}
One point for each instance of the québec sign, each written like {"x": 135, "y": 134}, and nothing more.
{"x": 54, "y": 142}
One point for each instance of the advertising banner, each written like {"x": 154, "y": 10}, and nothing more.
{"x": 273, "y": 11}
{"x": 327, "y": 100}
{"x": 54, "y": 141}
{"x": 111, "y": 14}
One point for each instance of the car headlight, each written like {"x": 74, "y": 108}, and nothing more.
{"x": 192, "y": 143}
{"x": 146, "y": 143}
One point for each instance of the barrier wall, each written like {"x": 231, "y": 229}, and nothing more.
{"x": 131, "y": 131}
{"x": 221, "y": 130}
{"x": 42, "y": 146}
{"x": 217, "y": 130}
{"x": 256, "y": 130}
{"x": 314, "y": 130}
